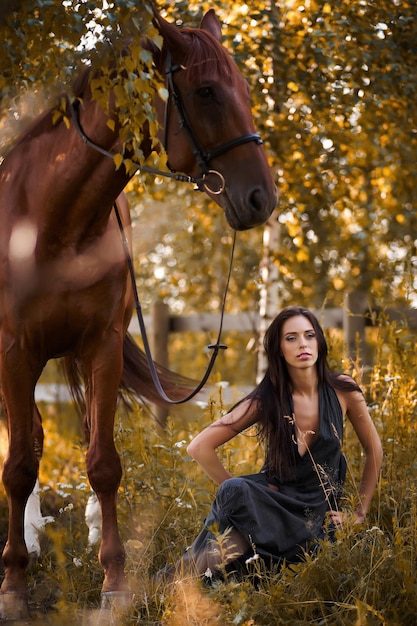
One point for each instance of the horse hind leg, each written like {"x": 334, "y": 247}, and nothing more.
{"x": 104, "y": 474}
{"x": 35, "y": 522}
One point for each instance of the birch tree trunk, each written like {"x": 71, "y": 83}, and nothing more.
{"x": 270, "y": 303}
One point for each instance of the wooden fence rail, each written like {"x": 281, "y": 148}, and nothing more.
{"x": 352, "y": 319}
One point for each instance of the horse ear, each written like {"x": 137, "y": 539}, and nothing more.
{"x": 173, "y": 39}
{"x": 212, "y": 24}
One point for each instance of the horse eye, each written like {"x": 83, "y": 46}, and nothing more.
{"x": 205, "y": 93}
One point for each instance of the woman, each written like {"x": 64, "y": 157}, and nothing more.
{"x": 298, "y": 409}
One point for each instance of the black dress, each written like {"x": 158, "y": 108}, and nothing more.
{"x": 280, "y": 524}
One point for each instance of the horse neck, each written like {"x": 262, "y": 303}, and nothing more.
{"x": 65, "y": 188}
{"x": 94, "y": 175}
{"x": 92, "y": 122}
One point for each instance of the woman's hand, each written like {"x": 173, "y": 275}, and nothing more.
{"x": 338, "y": 517}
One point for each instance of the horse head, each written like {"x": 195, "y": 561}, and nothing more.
{"x": 208, "y": 126}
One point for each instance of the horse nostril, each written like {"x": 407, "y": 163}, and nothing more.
{"x": 258, "y": 199}
{"x": 263, "y": 200}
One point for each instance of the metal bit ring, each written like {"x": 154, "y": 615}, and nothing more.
{"x": 222, "y": 183}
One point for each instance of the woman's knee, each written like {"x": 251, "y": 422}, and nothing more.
{"x": 232, "y": 488}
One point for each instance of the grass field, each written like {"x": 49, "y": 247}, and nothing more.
{"x": 367, "y": 577}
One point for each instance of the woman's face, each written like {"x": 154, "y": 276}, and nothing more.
{"x": 299, "y": 345}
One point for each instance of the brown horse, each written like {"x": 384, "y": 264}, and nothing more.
{"x": 64, "y": 288}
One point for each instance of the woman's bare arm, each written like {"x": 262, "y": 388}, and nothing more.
{"x": 358, "y": 414}
{"x": 203, "y": 447}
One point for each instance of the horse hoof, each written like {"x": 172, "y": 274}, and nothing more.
{"x": 116, "y": 599}
{"x": 114, "y": 604}
{"x": 13, "y": 606}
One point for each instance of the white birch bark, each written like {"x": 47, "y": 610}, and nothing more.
{"x": 269, "y": 304}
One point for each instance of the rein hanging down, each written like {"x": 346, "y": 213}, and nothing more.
{"x": 215, "y": 347}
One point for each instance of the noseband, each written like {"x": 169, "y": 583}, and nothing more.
{"x": 202, "y": 157}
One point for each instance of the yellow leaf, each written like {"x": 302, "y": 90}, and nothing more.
{"x": 130, "y": 167}
{"x": 292, "y": 86}
{"x": 135, "y": 544}
{"x": 338, "y": 283}
{"x": 118, "y": 160}
{"x": 111, "y": 124}
{"x": 56, "y": 116}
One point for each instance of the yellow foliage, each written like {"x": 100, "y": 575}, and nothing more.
{"x": 338, "y": 283}
{"x": 302, "y": 255}
{"x": 118, "y": 160}
{"x": 293, "y": 228}
{"x": 56, "y": 116}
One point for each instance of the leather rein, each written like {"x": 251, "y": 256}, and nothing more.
{"x": 203, "y": 159}
{"x": 215, "y": 347}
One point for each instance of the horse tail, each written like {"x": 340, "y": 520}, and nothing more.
{"x": 137, "y": 378}
{"x": 75, "y": 383}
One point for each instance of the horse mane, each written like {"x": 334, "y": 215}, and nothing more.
{"x": 34, "y": 127}
{"x": 206, "y": 59}
{"x": 81, "y": 81}
{"x": 43, "y": 121}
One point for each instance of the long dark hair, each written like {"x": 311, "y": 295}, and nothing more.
{"x": 272, "y": 395}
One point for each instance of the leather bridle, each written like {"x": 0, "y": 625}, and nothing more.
{"x": 202, "y": 157}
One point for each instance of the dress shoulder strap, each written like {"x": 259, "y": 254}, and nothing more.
{"x": 331, "y": 414}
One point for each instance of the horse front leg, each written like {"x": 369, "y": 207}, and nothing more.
{"x": 103, "y": 463}
{"x": 19, "y": 475}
